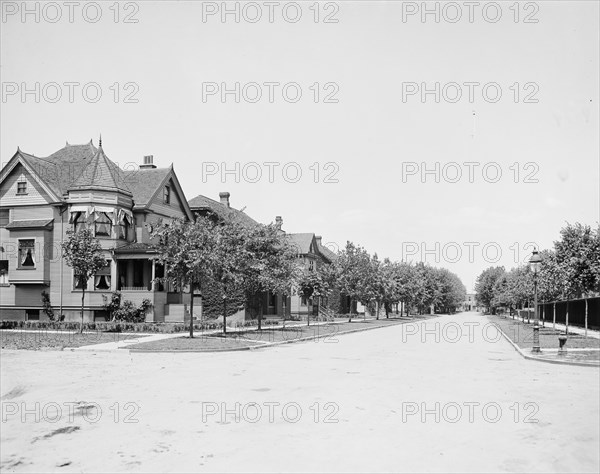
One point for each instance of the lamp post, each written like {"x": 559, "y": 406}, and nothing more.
{"x": 535, "y": 263}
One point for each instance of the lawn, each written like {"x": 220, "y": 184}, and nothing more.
{"x": 57, "y": 340}
{"x": 522, "y": 335}
{"x": 254, "y": 338}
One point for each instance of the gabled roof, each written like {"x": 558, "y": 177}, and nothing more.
{"x": 328, "y": 254}
{"x": 60, "y": 170}
{"x": 87, "y": 167}
{"x": 203, "y": 203}
{"x": 301, "y": 241}
{"x": 101, "y": 173}
{"x": 145, "y": 182}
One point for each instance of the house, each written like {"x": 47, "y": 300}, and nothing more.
{"x": 311, "y": 255}
{"x": 470, "y": 304}
{"x": 41, "y": 198}
{"x": 267, "y": 304}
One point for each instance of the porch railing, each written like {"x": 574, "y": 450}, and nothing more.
{"x": 134, "y": 288}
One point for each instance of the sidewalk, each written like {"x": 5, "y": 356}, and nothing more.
{"x": 580, "y": 350}
{"x": 561, "y": 327}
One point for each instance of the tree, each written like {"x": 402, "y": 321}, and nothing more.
{"x": 314, "y": 284}
{"x": 551, "y": 280}
{"x": 267, "y": 262}
{"x": 578, "y": 257}
{"x": 83, "y": 254}
{"x": 450, "y": 289}
{"x": 351, "y": 266}
{"x": 187, "y": 250}
{"x": 484, "y": 287}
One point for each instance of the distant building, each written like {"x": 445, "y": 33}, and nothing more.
{"x": 470, "y": 304}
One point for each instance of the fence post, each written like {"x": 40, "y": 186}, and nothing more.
{"x": 543, "y": 315}
{"x": 586, "y": 316}
{"x": 554, "y": 317}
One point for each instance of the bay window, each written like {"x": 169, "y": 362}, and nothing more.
{"x": 27, "y": 253}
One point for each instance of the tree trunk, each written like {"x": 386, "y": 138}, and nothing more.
{"x": 351, "y": 308}
{"x": 259, "y": 320}
{"x": 224, "y": 312}
{"x": 82, "y": 302}
{"x": 191, "y": 309}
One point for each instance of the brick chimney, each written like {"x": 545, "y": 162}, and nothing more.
{"x": 278, "y": 222}
{"x": 224, "y": 197}
{"x": 148, "y": 163}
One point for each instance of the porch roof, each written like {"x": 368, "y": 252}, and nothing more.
{"x": 135, "y": 247}
{"x": 31, "y": 224}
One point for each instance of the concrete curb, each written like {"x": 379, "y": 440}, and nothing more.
{"x": 264, "y": 345}
{"x": 541, "y": 359}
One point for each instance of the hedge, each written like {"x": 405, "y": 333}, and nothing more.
{"x": 115, "y": 326}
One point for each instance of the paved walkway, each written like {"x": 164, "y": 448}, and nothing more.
{"x": 443, "y": 395}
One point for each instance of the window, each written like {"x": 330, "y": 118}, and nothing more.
{"x": 103, "y": 224}
{"x": 123, "y": 228}
{"x": 3, "y": 272}
{"x": 311, "y": 265}
{"x": 304, "y": 301}
{"x": 102, "y": 278}
{"x": 27, "y": 253}
{"x": 22, "y": 187}
{"x": 4, "y": 216}
{"x": 78, "y": 219}
{"x": 78, "y": 284}
{"x": 167, "y": 195}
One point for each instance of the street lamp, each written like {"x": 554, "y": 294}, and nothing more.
{"x": 535, "y": 263}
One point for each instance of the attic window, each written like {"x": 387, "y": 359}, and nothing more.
{"x": 22, "y": 187}
{"x": 167, "y": 195}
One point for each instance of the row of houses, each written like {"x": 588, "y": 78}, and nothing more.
{"x": 41, "y": 198}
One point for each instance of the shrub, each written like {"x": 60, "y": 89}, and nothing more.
{"x": 46, "y": 306}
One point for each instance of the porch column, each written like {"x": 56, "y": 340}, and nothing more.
{"x": 129, "y": 273}
{"x": 153, "y": 275}
{"x": 114, "y": 276}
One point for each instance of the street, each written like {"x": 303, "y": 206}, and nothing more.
{"x": 443, "y": 395}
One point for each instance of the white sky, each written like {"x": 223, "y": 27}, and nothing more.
{"x": 369, "y": 53}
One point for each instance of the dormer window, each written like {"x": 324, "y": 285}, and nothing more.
{"x": 167, "y": 195}
{"x": 22, "y": 187}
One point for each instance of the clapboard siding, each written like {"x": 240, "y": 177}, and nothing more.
{"x": 8, "y": 190}
{"x": 173, "y": 209}
{"x": 32, "y": 212}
